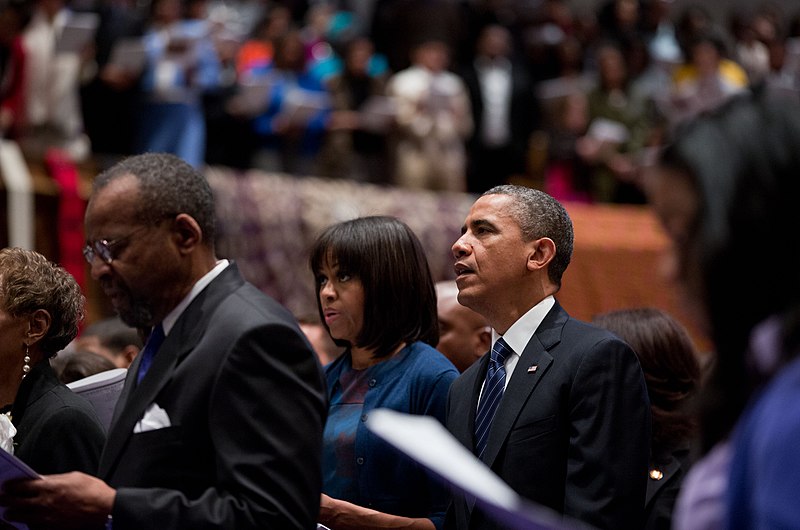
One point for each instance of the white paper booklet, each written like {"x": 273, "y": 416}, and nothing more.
{"x": 426, "y": 441}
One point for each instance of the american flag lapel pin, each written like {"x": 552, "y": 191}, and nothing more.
{"x": 532, "y": 368}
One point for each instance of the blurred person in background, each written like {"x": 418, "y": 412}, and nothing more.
{"x": 672, "y": 373}
{"x": 355, "y": 143}
{"x": 504, "y": 111}
{"x": 433, "y": 121}
{"x": 14, "y": 15}
{"x": 181, "y": 64}
{"x": 725, "y": 185}
{"x": 464, "y": 335}
{"x": 111, "y": 338}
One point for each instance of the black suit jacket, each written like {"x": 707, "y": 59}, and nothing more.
{"x": 663, "y": 492}
{"x": 245, "y": 398}
{"x": 571, "y": 434}
{"x": 57, "y": 430}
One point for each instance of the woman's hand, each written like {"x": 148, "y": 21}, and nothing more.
{"x": 342, "y": 515}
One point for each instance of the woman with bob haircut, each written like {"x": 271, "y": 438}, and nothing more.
{"x": 41, "y": 306}
{"x": 672, "y": 374}
{"x": 376, "y": 298}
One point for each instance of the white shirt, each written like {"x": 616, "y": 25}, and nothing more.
{"x": 197, "y": 288}
{"x": 518, "y": 335}
{"x": 494, "y": 77}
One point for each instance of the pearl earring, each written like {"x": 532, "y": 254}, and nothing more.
{"x": 27, "y": 360}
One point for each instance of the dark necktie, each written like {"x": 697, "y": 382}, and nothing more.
{"x": 493, "y": 389}
{"x": 149, "y": 351}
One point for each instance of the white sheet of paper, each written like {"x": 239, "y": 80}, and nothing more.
{"x": 608, "y": 131}
{"x": 426, "y": 441}
{"x": 129, "y": 54}
{"x": 78, "y": 32}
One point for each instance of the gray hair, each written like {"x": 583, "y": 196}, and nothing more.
{"x": 168, "y": 186}
{"x": 540, "y": 215}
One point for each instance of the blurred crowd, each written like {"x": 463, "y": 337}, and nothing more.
{"x": 433, "y": 94}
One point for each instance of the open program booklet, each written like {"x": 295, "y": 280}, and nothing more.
{"x": 426, "y": 441}
{"x": 12, "y": 468}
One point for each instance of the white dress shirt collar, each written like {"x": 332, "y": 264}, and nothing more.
{"x": 201, "y": 284}
{"x": 521, "y": 331}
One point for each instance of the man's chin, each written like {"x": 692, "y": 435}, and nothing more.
{"x": 140, "y": 319}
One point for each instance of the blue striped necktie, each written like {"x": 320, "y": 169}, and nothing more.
{"x": 150, "y": 349}
{"x": 493, "y": 389}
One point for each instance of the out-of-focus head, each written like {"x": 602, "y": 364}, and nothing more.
{"x": 612, "y": 67}
{"x": 725, "y": 190}
{"x": 670, "y": 366}
{"x": 150, "y": 231}
{"x": 81, "y": 364}
{"x": 384, "y": 255}
{"x": 357, "y": 55}
{"x": 41, "y": 305}
{"x": 433, "y": 55}
{"x": 110, "y": 338}
{"x": 706, "y": 52}
{"x": 290, "y": 52}
{"x": 464, "y": 335}
{"x": 494, "y": 41}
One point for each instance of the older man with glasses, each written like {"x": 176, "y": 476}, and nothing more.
{"x": 220, "y": 422}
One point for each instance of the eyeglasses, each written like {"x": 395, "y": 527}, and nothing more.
{"x": 104, "y": 249}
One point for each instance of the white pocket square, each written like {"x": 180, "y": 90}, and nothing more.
{"x": 154, "y": 418}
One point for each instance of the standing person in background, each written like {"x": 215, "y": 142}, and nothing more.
{"x": 41, "y": 306}
{"x": 376, "y": 297}
{"x": 220, "y": 421}
{"x": 504, "y": 111}
{"x": 433, "y": 121}
{"x": 14, "y": 15}
{"x": 291, "y": 126}
{"x": 726, "y": 189}
{"x": 355, "y": 142}
{"x": 52, "y": 76}
{"x": 181, "y": 64}
{"x": 464, "y": 335}
{"x": 672, "y": 373}
{"x": 559, "y": 408}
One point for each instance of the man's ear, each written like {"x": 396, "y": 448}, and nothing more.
{"x": 484, "y": 341}
{"x": 129, "y": 353}
{"x": 542, "y": 252}
{"x": 187, "y": 232}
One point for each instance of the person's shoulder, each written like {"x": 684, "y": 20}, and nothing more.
{"x": 776, "y": 411}
{"x": 584, "y": 341}
{"x": 427, "y": 361}
{"x": 258, "y": 305}
{"x": 65, "y": 410}
{"x": 589, "y": 332}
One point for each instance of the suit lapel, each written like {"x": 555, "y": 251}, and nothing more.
{"x": 181, "y": 340}
{"x": 524, "y": 382}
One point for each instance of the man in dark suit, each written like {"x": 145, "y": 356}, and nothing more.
{"x": 504, "y": 111}
{"x": 571, "y": 430}
{"x": 224, "y": 429}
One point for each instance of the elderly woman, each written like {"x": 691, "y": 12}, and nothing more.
{"x": 40, "y": 308}
{"x": 376, "y": 298}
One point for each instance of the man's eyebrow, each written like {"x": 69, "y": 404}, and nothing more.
{"x": 477, "y": 223}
